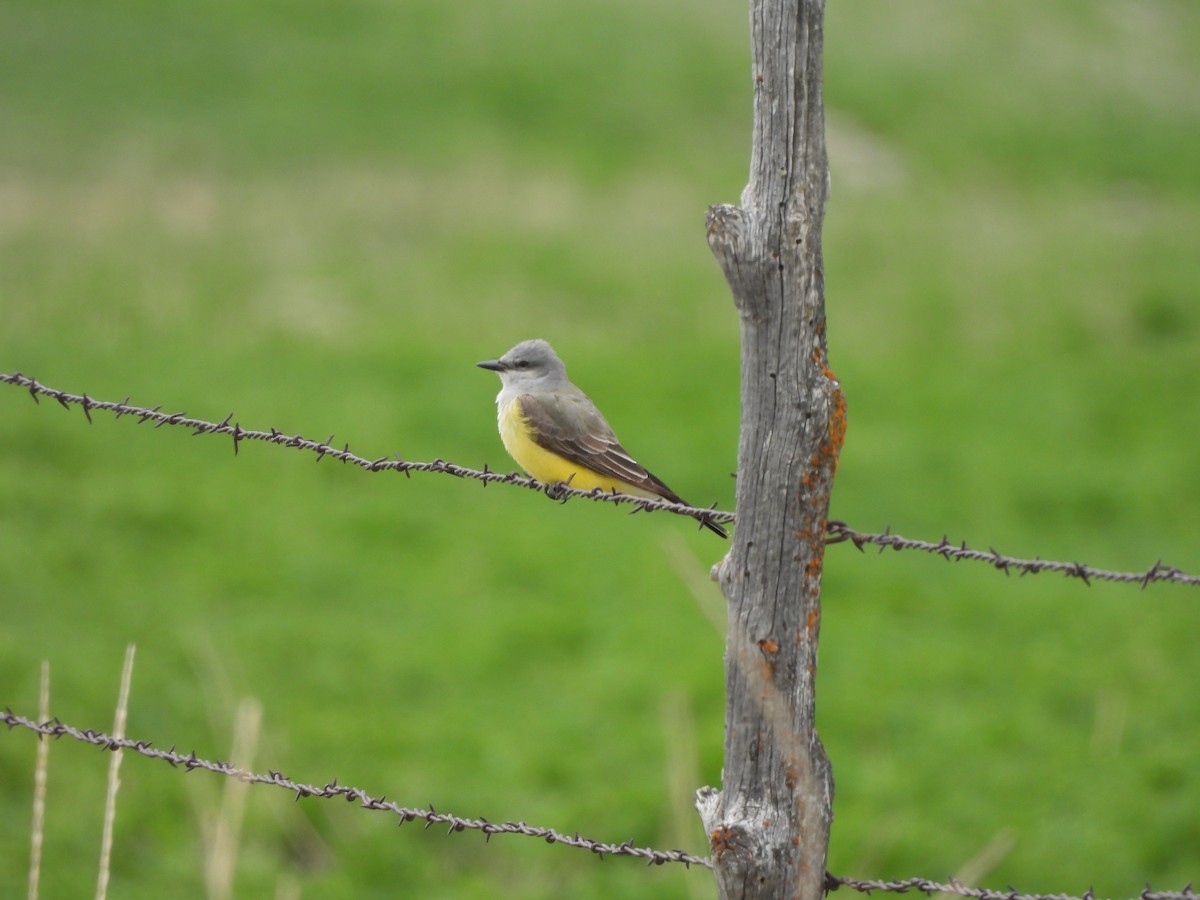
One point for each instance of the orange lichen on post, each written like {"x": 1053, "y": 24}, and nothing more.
{"x": 791, "y": 776}
{"x": 813, "y": 620}
{"x": 721, "y": 840}
{"x": 818, "y": 356}
{"x": 729, "y": 839}
{"x": 822, "y": 465}
{"x": 837, "y": 427}
{"x": 832, "y": 446}
{"x": 769, "y": 648}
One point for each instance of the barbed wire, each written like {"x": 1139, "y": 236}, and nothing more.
{"x": 837, "y": 533}
{"x": 326, "y": 449}
{"x": 954, "y": 886}
{"x": 189, "y": 761}
{"x": 840, "y": 531}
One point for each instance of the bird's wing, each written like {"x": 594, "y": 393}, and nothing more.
{"x": 568, "y": 423}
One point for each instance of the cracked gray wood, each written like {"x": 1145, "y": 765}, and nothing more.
{"x": 768, "y": 826}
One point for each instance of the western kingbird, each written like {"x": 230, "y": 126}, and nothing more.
{"x": 556, "y": 434}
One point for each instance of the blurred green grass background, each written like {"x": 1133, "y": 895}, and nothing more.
{"x": 320, "y": 217}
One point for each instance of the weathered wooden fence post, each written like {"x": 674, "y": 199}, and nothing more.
{"x": 769, "y": 824}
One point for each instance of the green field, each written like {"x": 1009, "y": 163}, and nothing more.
{"x": 320, "y": 216}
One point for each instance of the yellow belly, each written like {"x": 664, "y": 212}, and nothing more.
{"x": 548, "y": 467}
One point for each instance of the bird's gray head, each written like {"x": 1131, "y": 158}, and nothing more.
{"x": 531, "y": 365}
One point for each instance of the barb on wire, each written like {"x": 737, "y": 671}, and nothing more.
{"x": 840, "y": 531}
{"x": 322, "y": 449}
{"x": 189, "y": 761}
{"x": 954, "y": 886}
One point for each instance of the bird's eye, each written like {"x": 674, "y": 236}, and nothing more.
{"x": 523, "y": 364}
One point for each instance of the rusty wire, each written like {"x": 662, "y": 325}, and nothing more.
{"x": 838, "y": 531}
{"x": 325, "y": 448}
{"x": 189, "y": 761}
{"x": 954, "y": 886}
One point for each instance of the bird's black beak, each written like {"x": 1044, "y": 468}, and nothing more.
{"x": 494, "y": 364}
